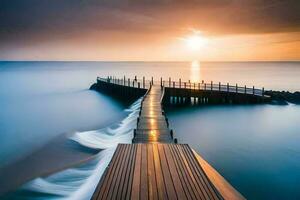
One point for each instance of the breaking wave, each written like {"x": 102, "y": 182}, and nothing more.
{"x": 80, "y": 182}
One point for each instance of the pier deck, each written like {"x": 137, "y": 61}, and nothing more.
{"x": 152, "y": 126}
{"x": 155, "y": 171}
{"x": 156, "y": 167}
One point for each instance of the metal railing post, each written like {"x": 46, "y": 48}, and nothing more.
{"x": 211, "y": 85}
{"x": 253, "y": 90}
{"x": 143, "y": 81}
{"x": 236, "y": 88}
{"x": 180, "y": 83}
{"x": 219, "y": 86}
{"x": 227, "y": 87}
{"x": 169, "y": 81}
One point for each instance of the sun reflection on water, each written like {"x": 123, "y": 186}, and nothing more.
{"x": 195, "y": 71}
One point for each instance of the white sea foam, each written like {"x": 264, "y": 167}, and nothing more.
{"x": 112, "y": 135}
{"x": 80, "y": 182}
{"x": 75, "y": 183}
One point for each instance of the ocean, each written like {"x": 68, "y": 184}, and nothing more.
{"x": 57, "y": 136}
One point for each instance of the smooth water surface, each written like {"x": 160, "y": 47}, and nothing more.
{"x": 254, "y": 147}
{"x": 40, "y": 101}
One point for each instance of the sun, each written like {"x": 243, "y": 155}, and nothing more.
{"x": 195, "y": 41}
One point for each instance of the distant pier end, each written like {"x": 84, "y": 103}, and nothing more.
{"x": 125, "y": 90}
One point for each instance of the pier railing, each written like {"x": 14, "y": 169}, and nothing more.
{"x": 136, "y": 83}
{"x": 214, "y": 87}
{"x": 143, "y": 83}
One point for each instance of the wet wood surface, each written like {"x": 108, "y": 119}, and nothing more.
{"x": 155, "y": 171}
{"x": 152, "y": 126}
{"x": 154, "y": 167}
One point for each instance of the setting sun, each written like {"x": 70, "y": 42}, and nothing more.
{"x": 195, "y": 41}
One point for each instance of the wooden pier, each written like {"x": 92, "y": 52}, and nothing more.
{"x": 152, "y": 125}
{"x": 182, "y": 93}
{"x": 155, "y": 166}
{"x": 211, "y": 93}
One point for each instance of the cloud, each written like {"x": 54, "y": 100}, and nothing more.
{"x": 33, "y": 22}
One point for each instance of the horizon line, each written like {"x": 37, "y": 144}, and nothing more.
{"x": 166, "y": 61}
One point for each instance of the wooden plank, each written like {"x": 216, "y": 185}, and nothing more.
{"x": 125, "y": 173}
{"x": 189, "y": 172}
{"x": 107, "y": 183}
{"x": 210, "y": 191}
{"x": 209, "y": 185}
{"x": 106, "y": 175}
{"x": 153, "y": 125}
{"x": 144, "y": 174}
{"x": 128, "y": 189}
{"x": 166, "y": 173}
{"x": 174, "y": 173}
{"x": 189, "y": 188}
{"x": 197, "y": 178}
{"x": 104, "y": 194}
{"x": 222, "y": 186}
{"x": 152, "y": 186}
{"x": 119, "y": 170}
{"x": 135, "y": 191}
{"x": 161, "y": 187}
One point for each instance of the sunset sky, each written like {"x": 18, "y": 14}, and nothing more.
{"x": 146, "y": 30}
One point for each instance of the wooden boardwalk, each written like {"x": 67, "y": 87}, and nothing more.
{"x": 152, "y": 126}
{"x": 155, "y": 171}
{"x": 154, "y": 167}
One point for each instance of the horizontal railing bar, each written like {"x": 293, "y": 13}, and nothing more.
{"x": 145, "y": 83}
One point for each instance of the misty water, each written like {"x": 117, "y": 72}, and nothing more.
{"x": 255, "y": 147}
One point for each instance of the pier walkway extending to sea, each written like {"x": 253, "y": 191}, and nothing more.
{"x": 155, "y": 166}
{"x": 152, "y": 125}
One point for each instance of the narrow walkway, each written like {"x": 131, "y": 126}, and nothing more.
{"x": 152, "y": 125}
{"x": 154, "y": 167}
